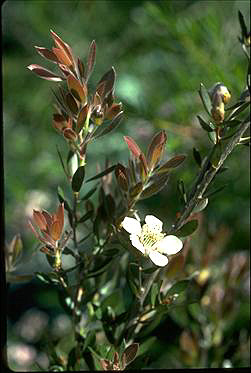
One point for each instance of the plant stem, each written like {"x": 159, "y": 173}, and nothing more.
{"x": 207, "y": 175}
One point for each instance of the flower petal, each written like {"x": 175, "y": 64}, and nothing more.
{"x": 169, "y": 245}
{"x": 154, "y": 223}
{"x": 132, "y": 226}
{"x": 158, "y": 259}
{"x": 136, "y": 243}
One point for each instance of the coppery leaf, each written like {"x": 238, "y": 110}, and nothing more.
{"x": 70, "y": 134}
{"x": 121, "y": 176}
{"x": 157, "y": 184}
{"x": 136, "y": 189}
{"x": 82, "y": 117}
{"x": 133, "y": 147}
{"x": 130, "y": 353}
{"x": 60, "y": 217}
{"x": 144, "y": 167}
{"x": 109, "y": 79}
{"x": 77, "y": 89}
{"x": 172, "y": 163}
{"x": 39, "y": 220}
{"x": 62, "y": 56}
{"x": 62, "y": 45}
{"x": 91, "y": 59}
{"x": 155, "y": 149}
{"x": 113, "y": 110}
{"x": 106, "y": 364}
{"x": 46, "y": 53}
{"x": 47, "y": 217}
{"x": 44, "y": 73}
{"x": 55, "y": 230}
{"x": 71, "y": 103}
{"x": 81, "y": 68}
{"x": 65, "y": 70}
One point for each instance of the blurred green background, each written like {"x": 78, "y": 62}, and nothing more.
{"x": 161, "y": 51}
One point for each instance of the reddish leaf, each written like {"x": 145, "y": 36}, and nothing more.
{"x": 55, "y": 230}
{"x": 144, "y": 165}
{"x": 113, "y": 110}
{"x": 77, "y": 89}
{"x": 156, "y": 149}
{"x": 82, "y": 117}
{"x": 65, "y": 70}
{"x": 46, "y": 53}
{"x": 44, "y": 73}
{"x": 133, "y": 147}
{"x": 109, "y": 79}
{"x": 47, "y": 217}
{"x": 136, "y": 190}
{"x": 157, "y": 184}
{"x": 70, "y": 134}
{"x": 130, "y": 353}
{"x": 62, "y": 56}
{"x": 60, "y": 217}
{"x": 81, "y": 68}
{"x": 62, "y": 45}
{"x": 71, "y": 103}
{"x": 172, "y": 163}
{"x": 106, "y": 364}
{"x": 39, "y": 220}
{"x": 91, "y": 59}
{"x": 121, "y": 176}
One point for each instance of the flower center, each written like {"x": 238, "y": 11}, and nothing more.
{"x": 150, "y": 236}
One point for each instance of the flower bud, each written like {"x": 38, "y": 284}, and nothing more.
{"x": 219, "y": 89}
{"x": 218, "y": 108}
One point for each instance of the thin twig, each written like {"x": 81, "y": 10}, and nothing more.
{"x": 206, "y": 176}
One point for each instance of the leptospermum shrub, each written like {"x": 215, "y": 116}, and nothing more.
{"x": 119, "y": 288}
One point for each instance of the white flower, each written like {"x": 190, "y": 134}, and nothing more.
{"x": 150, "y": 240}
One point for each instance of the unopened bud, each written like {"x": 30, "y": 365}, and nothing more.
{"x": 219, "y": 89}
{"x": 218, "y": 109}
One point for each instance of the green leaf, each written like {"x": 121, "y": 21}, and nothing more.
{"x": 178, "y": 288}
{"x": 101, "y": 268}
{"x": 62, "y": 163}
{"x": 232, "y": 123}
{"x": 103, "y": 173}
{"x": 182, "y": 191}
{"x": 212, "y": 137}
{"x": 187, "y": 229}
{"x": 154, "y": 293}
{"x": 43, "y": 277}
{"x": 110, "y": 252}
{"x": 89, "y": 194}
{"x": 197, "y": 156}
{"x": 205, "y": 98}
{"x": 85, "y": 217}
{"x": 78, "y": 178}
{"x": 72, "y": 163}
{"x": 217, "y": 190}
{"x": 201, "y": 205}
{"x": 205, "y": 125}
{"x": 237, "y": 111}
